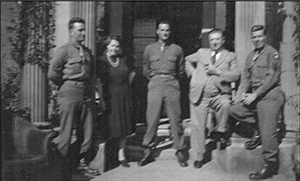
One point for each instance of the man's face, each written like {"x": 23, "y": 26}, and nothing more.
{"x": 163, "y": 32}
{"x": 78, "y": 32}
{"x": 258, "y": 39}
{"x": 216, "y": 41}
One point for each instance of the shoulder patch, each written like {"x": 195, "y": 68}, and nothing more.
{"x": 276, "y": 55}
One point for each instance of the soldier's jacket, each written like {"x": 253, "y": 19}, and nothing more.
{"x": 262, "y": 71}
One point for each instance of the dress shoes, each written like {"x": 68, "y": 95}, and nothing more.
{"x": 83, "y": 168}
{"x": 223, "y": 138}
{"x": 254, "y": 142}
{"x": 198, "y": 164}
{"x": 148, "y": 157}
{"x": 267, "y": 171}
{"x": 125, "y": 163}
{"x": 181, "y": 158}
{"x": 224, "y": 143}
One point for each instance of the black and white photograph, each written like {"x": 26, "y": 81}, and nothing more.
{"x": 150, "y": 90}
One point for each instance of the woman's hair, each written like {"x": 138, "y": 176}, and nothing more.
{"x": 110, "y": 38}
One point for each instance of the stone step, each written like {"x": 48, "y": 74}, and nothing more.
{"x": 234, "y": 159}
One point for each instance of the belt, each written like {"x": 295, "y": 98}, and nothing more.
{"x": 76, "y": 80}
{"x": 164, "y": 74}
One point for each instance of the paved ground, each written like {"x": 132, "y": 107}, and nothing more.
{"x": 166, "y": 168}
{"x": 169, "y": 170}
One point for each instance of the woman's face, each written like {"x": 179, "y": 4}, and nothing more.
{"x": 113, "y": 47}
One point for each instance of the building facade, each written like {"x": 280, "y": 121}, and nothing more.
{"x": 136, "y": 23}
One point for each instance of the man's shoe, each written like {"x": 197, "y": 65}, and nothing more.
{"x": 181, "y": 158}
{"x": 223, "y": 138}
{"x": 254, "y": 142}
{"x": 268, "y": 170}
{"x": 125, "y": 163}
{"x": 148, "y": 157}
{"x": 198, "y": 164}
{"x": 224, "y": 143}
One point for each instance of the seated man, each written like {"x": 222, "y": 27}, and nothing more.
{"x": 212, "y": 71}
{"x": 260, "y": 100}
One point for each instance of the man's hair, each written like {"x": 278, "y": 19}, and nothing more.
{"x": 75, "y": 20}
{"x": 164, "y": 21}
{"x": 258, "y": 28}
{"x": 216, "y": 30}
{"x": 108, "y": 39}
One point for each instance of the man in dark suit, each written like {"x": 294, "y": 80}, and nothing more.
{"x": 211, "y": 71}
{"x": 260, "y": 100}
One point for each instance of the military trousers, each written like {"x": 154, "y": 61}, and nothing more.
{"x": 163, "y": 90}
{"x": 76, "y": 113}
{"x": 267, "y": 109}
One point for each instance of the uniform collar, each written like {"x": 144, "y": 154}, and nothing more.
{"x": 259, "y": 51}
{"x": 75, "y": 44}
{"x": 160, "y": 43}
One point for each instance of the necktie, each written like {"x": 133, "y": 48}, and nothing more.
{"x": 162, "y": 47}
{"x": 81, "y": 53}
{"x": 254, "y": 58}
{"x": 213, "y": 58}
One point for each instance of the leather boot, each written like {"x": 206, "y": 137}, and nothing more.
{"x": 267, "y": 171}
{"x": 254, "y": 142}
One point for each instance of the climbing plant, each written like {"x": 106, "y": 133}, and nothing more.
{"x": 295, "y": 17}
{"x": 32, "y": 32}
{"x": 31, "y": 35}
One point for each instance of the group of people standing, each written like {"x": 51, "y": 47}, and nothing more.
{"x": 211, "y": 71}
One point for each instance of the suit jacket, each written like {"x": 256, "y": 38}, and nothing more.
{"x": 195, "y": 68}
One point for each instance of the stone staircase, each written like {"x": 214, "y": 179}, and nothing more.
{"x": 234, "y": 159}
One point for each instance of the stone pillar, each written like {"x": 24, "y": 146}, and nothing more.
{"x": 289, "y": 81}
{"x": 62, "y": 17}
{"x": 87, "y": 11}
{"x": 247, "y": 15}
{"x": 34, "y": 92}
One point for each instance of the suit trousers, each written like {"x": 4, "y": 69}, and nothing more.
{"x": 199, "y": 113}
{"x": 163, "y": 90}
{"x": 76, "y": 116}
{"x": 267, "y": 109}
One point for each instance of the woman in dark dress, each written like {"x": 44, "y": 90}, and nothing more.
{"x": 116, "y": 76}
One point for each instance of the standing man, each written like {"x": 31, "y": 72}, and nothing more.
{"x": 261, "y": 98}
{"x": 163, "y": 65}
{"x": 211, "y": 71}
{"x": 72, "y": 71}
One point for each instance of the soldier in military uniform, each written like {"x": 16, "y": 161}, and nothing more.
{"x": 260, "y": 100}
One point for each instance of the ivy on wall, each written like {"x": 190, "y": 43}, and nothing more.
{"x": 32, "y": 32}
{"x": 31, "y": 35}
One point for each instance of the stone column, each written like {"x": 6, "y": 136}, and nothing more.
{"x": 289, "y": 81}
{"x": 247, "y": 15}
{"x": 34, "y": 92}
{"x": 87, "y": 11}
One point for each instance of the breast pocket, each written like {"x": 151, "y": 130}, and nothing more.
{"x": 153, "y": 58}
{"x": 74, "y": 65}
{"x": 172, "y": 62}
{"x": 261, "y": 68}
